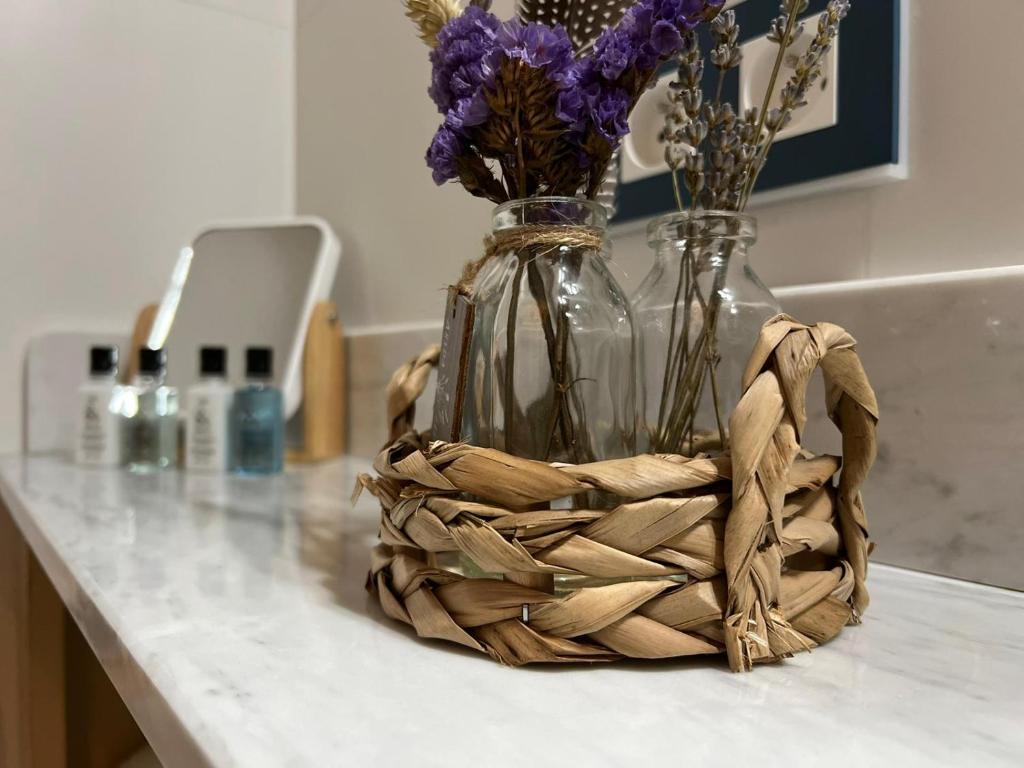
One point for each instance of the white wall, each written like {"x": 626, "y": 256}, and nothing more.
{"x": 124, "y": 126}
{"x": 363, "y": 125}
{"x": 364, "y": 120}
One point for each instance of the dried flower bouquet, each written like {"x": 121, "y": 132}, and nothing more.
{"x": 530, "y": 110}
{"x": 719, "y": 156}
{"x": 536, "y": 107}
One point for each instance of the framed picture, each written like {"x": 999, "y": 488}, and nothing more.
{"x": 851, "y": 134}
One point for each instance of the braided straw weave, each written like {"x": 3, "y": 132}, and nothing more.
{"x": 773, "y": 552}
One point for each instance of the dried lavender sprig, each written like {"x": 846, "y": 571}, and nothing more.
{"x": 683, "y": 126}
{"x": 693, "y": 177}
{"x": 744, "y": 154}
{"x": 808, "y": 68}
{"x": 794, "y": 93}
{"x": 720, "y": 154}
{"x": 783, "y": 31}
{"x": 727, "y": 54}
{"x": 738, "y": 148}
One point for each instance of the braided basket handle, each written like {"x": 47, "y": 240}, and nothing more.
{"x": 766, "y": 430}
{"x": 404, "y": 389}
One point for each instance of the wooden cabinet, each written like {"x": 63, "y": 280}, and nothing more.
{"x": 57, "y": 706}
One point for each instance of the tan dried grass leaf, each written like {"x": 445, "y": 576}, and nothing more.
{"x": 588, "y": 610}
{"x": 514, "y": 643}
{"x": 430, "y": 15}
{"x": 638, "y": 637}
{"x": 475, "y": 602}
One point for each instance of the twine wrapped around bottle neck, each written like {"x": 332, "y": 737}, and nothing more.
{"x": 540, "y": 239}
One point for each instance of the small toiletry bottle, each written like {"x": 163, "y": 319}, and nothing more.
{"x": 149, "y": 429}
{"x": 99, "y": 444}
{"x": 257, "y": 418}
{"x": 209, "y": 411}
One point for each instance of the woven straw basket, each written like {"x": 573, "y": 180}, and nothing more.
{"x": 771, "y": 543}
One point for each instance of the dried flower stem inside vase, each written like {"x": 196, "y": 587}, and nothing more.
{"x": 689, "y": 366}
{"x": 563, "y": 350}
{"x": 698, "y": 313}
{"x": 561, "y": 435}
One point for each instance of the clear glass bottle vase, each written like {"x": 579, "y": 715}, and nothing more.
{"x": 558, "y": 337}
{"x": 698, "y": 314}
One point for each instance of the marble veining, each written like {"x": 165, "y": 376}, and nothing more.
{"x": 945, "y": 354}
{"x": 231, "y": 615}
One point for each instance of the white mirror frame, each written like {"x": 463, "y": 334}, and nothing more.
{"x": 319, "y": 290}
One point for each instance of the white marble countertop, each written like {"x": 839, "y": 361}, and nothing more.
{"x": 230, "y": 614}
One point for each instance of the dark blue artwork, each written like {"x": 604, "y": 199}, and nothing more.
{"x": 867, "y": 134}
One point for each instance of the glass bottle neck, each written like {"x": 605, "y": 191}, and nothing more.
{"x": 715, "y": 254}
{"x": 702, "y": 227}
{"x": 553, "y": 212}
{"x": 551, "y": 231}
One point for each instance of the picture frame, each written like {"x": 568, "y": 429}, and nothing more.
{"x": 866, "y": 146}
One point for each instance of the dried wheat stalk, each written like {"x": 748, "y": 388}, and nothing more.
{"x": 430, "y": 15}
{"x": 774, "y": 553}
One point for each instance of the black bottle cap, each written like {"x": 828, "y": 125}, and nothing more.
{"x": 213, "y": 361}
{"x": 103, "y": 361}
{"x": 259, "y": 363}
{"x": 152, "y": 361}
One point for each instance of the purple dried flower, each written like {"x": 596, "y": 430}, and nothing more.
{"x": 665, "y": 38}
{"x": 538, "y": 46}
{"x": 614, "y": 52}
{"x": 673, "y": 9}
{"x": 610, "y": 114}
{"x": 637, "y": 23}
{"x": 443, "y": 154}
{"x": 648, "y": 58}
{"x": 571, "y": 108}
{"x": 591, "y": 97}
{"x": 460, "y": 60}
{"x": 468, "y": 113}
{"x": 694, "y": 10}
{"x": 686, "y": 14}
{"x": 652, "y": 28}
{"x": 650, "y": 32}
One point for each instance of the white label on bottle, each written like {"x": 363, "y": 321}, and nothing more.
{"x": 207, "y": 436}
{"x": 98, "y": 442}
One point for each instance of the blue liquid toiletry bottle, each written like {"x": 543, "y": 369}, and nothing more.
{"x": 257, "y": 418}
{"x": 99, "y": 444}
{"x": 209, "y": 413}
{"x": 149, "y": 424}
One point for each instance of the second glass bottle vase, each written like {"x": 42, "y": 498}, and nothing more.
{"x": 698, "y": 315}
{"x": 558, "y": 337}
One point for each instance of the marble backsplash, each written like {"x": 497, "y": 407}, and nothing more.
{"x": 945, "y": 354}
